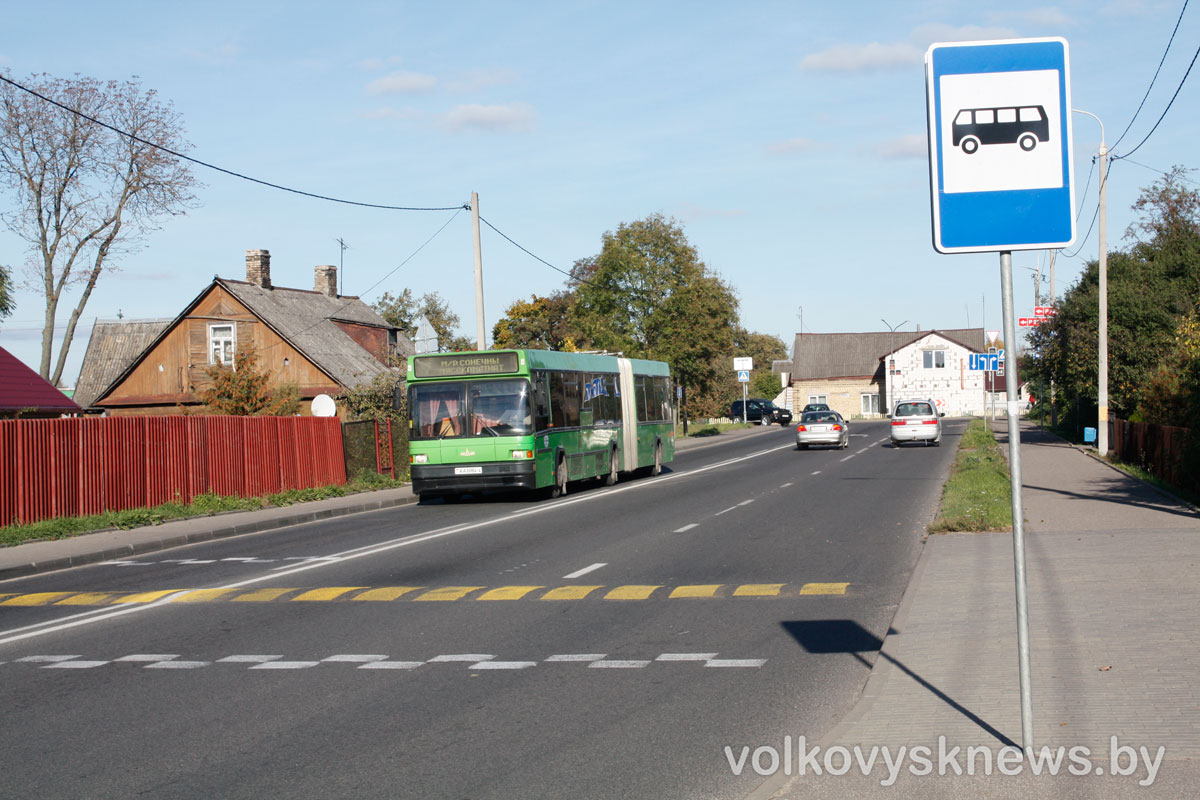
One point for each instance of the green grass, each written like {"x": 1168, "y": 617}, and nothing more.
{"x": 978, "y": 495}
{"x": 201, "y": 506}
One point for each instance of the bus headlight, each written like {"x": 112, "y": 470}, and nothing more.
{"x": 523, "y": 454}
{"x": 420, "y": 458}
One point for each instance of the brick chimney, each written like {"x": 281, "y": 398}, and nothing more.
{"x": 325, "y": 280}
{"x": 258, "y": 268}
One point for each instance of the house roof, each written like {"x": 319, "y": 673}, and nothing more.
{"x": 21, "y": 388}
{"x": 305, "y": 319}
{"x": 845, "y": 355}
{"x": 113, "y": 347}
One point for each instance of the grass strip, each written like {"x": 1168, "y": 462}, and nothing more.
{"x": 977, "y": 496}
{"x": 201, "y": 506}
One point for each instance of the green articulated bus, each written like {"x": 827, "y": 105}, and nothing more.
{"x": 534, "y": 419}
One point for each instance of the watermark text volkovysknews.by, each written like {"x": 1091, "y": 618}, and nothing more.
{"x": 795, "y": 757}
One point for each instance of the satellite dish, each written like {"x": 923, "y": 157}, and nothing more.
{"x": 323, "y": 406}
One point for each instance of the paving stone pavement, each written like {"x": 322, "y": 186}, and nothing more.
{"x": 1113, "y": 567}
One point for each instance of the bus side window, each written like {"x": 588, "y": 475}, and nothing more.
{"x": 541, "y": 402}
{"x": 571, "y": 407}
{"x": 639, "y": 396}
{"x": 558, "y": 401}
{"x": 614, "y": 398}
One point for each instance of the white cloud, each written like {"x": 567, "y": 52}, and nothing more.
{"x": 374, "y": 63}
{"x": 861, "y": 57}
{"x": 915, "y": 145}
{"x": 511, "y": 117}
{"x": 482, "y": 78}
{"x": 1050, "y": 16}
{"x": 402, "y": 83}
{"x": 789, "y": 147}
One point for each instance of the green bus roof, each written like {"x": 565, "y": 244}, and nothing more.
{"x": 552, "y": 359}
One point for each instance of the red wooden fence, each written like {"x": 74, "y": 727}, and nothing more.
{"x": 88, "y": 465}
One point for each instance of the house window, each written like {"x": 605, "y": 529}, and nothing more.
{"x": 934, "y": 359}
{"x": 220, "y": 344}
{"x": 819, "y": 398}
{"x": 870, "y": 403}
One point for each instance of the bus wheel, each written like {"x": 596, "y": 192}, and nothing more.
{"x": 560, "y": 479}
{"x": 969, "y": 145}
{"x": 611, "y": 478}
{"x": 1027, "y": 141}
{"x": 657, "y": 468}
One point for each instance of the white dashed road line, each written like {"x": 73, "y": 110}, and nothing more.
{"x": 687, "y": 527}
{"x": 579, "y": 573}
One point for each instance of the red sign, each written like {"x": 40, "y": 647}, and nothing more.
{"x": 1044, "y": 311}
{"x": 1030, "y": 322}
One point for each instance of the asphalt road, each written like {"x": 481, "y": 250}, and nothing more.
{"x": 610, "y": 643}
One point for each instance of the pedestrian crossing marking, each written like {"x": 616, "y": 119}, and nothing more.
{"x": 469, "y": 594}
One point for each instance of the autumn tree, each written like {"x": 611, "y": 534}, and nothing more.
{"x": 80, "y": 194}
{"x": 245, "y": 391}
{"x": 381, "y": 398}
{"x": 541, "y": 323}
{"x": 648, "y": 294}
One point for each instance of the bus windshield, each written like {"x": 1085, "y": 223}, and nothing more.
{"x": 470, "y": 408}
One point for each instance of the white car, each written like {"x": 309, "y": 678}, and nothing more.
{"x": 916, "y": 421}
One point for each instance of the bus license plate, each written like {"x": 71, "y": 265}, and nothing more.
{"x": 468, "y": 470}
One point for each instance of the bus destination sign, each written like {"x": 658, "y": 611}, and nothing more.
{"x": 463, "y": 364}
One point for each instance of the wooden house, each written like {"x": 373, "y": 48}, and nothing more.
{"x": 321, "y": 342}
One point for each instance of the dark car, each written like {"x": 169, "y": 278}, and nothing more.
{"x": 816, "y": 407}
{"x": 764, "y": 412}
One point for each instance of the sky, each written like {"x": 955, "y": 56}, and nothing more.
{"x": 787, "y": 138}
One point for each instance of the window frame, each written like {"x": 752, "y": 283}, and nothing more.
{"x": 230, "y": 341}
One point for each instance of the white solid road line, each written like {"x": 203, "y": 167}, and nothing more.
{"x": 579, "y": 573}
{"x": 687, "y": 527}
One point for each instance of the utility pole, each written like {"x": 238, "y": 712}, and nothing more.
{"x": 1053, "y": 410}
{"x": 1102, "y": 384}
{"x": 341, "y": 271}
{"x": 891, "y": 361}
{"x": 481, "y": 335}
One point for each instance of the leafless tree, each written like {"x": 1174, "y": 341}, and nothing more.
{"x": 80, "y": 194}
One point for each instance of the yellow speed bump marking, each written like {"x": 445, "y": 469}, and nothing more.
{"x": 87, "y": 599}
{"x": 202, "y": 595}
{"x": 144, "y": 597}
{"x": 631, "y": 592}
{"x": 570, "y": 592}
{"x": 36, "y": 599}
{"x": 824, "y": 588}
{"x": 508, "y": 593}
{"x": 386, "y": 593}
{"x": 704, "y": 590}
{"x": 758, "y": 590}
{"x": 324, "y": 595}
{"x": 260, "y": 595}
{"x": 447, "y": 593}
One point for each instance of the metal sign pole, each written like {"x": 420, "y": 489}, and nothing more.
{"x": 1014, "y": 461}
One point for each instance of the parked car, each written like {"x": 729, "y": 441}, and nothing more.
{"x": 816, "y": 407}
{"x": 764, "y": 412}
{"x": 916, "y": 421}
{"x": 822, "y": 427}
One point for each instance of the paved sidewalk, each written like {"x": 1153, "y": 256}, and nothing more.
{"x": 1113, "y": 569}
{"x": 46, "y": 556}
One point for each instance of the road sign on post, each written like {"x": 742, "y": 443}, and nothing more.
{"x": 1000, "y": 145}
{"x": 744, "y": 376}
{"x": 743, "y": 362}
{"x": 999, "y": 116}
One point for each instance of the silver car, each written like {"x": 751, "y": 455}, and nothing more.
{"x": 822, "y": 427}
{"x": 916, "y": 421}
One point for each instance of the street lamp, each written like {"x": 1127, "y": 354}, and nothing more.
{"x": 891, "y": 357}
{"x": 1102, "y": 382}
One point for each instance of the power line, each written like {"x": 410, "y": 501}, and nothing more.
{"x": 214, "y": 167}
{"x": 533, "y": 255}
{"x": 1095, "y": 215}
{"x": 1155, "y": 78}
{"x": 1168, "y": 108}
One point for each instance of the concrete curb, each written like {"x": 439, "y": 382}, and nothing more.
{"x": 267, "y": 519}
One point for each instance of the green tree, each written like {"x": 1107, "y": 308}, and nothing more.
{"x": 404, "y": 312}
{"x": 1151, "y": 287}
{"x": 648, "y": 294}
{"x": 7, "y": 303}
{"x": 81, "y": 194}
{"x": 378, "y": 399}
{"x": 246, "y": 391}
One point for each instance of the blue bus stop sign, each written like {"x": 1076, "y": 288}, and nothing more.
{"x": 1000, "y": 145}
